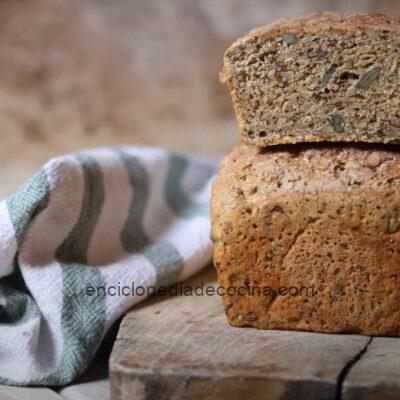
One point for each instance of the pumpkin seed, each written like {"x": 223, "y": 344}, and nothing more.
{"x": 328, "y": 74}
{"x": 320, "y": 53}
{"x": 338, "y": 123}
{"x": 289, "y": 38}
{"x": 368, "y": 78}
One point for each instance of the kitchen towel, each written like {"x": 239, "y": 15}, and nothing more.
{"x": 81, "y": 228}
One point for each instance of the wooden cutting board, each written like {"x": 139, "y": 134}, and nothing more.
{"x": 181, "y": 347}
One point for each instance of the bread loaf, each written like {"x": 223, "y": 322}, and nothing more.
{"x": 325, "y": 77}
{"x": 317, "y": 228}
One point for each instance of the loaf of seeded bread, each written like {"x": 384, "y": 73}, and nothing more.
{"x": 325, "y": 77}
{"x": 307, "y": 237}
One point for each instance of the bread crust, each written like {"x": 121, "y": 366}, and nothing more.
{"x": 325, "y": 217}
{"x": 325, "y": 22}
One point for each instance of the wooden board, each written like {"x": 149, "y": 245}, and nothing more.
{"x": 376, "y": 375}
{"x": 181, "y": 347}
{"x": 17, "y": 393}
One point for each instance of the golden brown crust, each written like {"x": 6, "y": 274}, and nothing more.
{"x": 326, "y": 22}
{"x": 325, "y": 217}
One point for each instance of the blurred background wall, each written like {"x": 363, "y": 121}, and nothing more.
{"x": 82, "y": 73}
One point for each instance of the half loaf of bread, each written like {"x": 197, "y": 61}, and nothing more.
{"x": 325, "y": 77}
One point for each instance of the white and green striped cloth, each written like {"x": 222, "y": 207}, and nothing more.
{"x": 100, "y": 218}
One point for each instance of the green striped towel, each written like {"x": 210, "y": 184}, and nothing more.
{"x": 96, "y": 219}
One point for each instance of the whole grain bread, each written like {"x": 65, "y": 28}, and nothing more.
{"x": 307, "y": 237}
{"x": 324, "y": 77}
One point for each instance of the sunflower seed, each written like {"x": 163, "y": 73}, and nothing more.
{"x": 394, "y": 223}
{"x": 368, "y": 78}
{"x": 373, "y": 34}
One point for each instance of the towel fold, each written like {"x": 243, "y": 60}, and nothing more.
{"x": 87, "y": 237}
